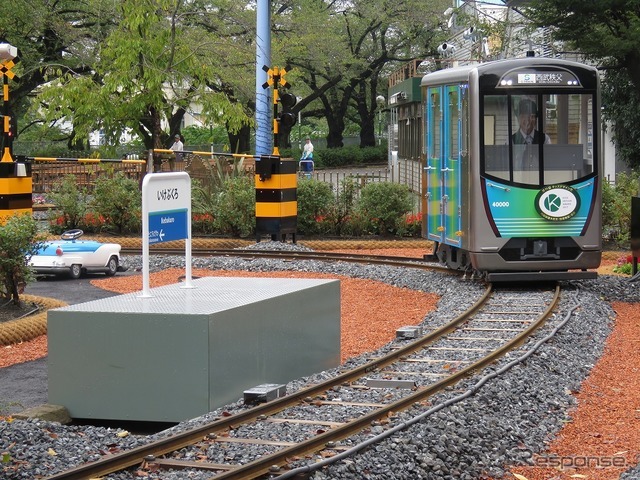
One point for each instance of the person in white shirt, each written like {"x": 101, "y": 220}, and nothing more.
{"x": 307, "y": 151}
{"x": 177, "y": 146}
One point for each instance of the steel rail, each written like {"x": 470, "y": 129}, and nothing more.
{"x": 135, "y": 456}
{"x": 411, "y": 262}
{"x": 263, "y": 464}
{"x": 145, "y": 454}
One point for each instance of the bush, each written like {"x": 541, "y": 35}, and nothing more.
{"x": 342, "y": 157}
{"x": 624, "y": 265}
{"x": 315, "y": 202}
{"x": 71, "y": 205}
{"x": 19, "y": 241}
{"x": 343, "y": 217}
{"x": 205, "y": 192}
{"x": 202, "y": 223}
{"x": 410, "y": 226}
{"x": 117, "y": 199}
{"x": 236, "y": 207}
{"x": 385, "y": 204}
{"x": 616, "y": 207}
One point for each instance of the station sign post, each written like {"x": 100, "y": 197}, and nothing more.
{"x": 166, "y": 216}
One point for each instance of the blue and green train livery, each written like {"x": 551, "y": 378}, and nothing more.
{"x": 512, "y": 174}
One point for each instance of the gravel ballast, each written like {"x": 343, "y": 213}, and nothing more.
{"x": 505, "y": 422}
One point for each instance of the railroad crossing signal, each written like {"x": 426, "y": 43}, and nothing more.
{"x": 275, "y": 78}
{"x": 287, "y": 117}
{"x": 15, "y": 178}
{"x": 5, "y": 69}
{"x": 8, "y": 54}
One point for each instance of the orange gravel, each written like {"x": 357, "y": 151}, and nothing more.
{"x": 23, "y": 352}
{"x": 602, "y": 438}
{"x": 394, "y": 307}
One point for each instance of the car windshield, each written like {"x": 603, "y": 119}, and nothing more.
{"x": 538, "y": 139}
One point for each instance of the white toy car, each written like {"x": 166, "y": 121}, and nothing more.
{"x": 74, "y": 257}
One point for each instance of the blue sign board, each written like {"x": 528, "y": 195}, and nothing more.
{"x": 167, "y": 226}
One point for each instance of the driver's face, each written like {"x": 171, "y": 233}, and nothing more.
{"x": 527, "y": 122}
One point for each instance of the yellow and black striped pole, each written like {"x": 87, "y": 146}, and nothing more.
{"x": 276, "y": 179}
{"x": 15, "y": 178}
{"x": 276, "y": 183}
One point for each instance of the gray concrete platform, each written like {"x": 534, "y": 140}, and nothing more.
{"x": 184, "y": 352}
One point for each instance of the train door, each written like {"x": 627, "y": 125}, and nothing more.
{"x": 433, "y": 167}
{"x": 443, "y": 163}
{"x": 452, "y": 165}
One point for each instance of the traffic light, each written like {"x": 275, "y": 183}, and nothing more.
{"x": 287, "y": 118}
{"x": 13, "y": 127}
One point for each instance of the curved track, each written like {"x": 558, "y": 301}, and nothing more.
{"x": 410, "y": 373}
{"x": 410, "y": 262}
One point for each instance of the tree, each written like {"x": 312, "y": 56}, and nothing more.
{"x": 621, "y": 103}
{"x": 53, "y": 39}
{"x": 340, "y": 50}
{"x": 153, "y": 66}
{"x": 607, "y": 32}
{"x": 19, "y": 241}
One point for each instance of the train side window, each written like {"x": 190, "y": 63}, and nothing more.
{"x": 434, "y": 114}
{"x": 454, "y": 117}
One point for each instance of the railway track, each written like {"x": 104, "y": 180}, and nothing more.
{"x": 410, "y": 262}
{"x": 315, "y": 420}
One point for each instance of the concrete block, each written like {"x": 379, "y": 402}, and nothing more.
{"x": 185, "y": 352}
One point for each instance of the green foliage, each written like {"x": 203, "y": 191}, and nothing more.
{"x": 343, "y": 216}
{"x": 196, "y": 135}
{"x": 621, "y": 102}
{"x": 236, "y": 207}
{"x": 616, "y": 207}
{"x": 385, "y": 204}
{"x": 117, "y": 199}
{"x": 410, "y": 226}
{"x": 205, "y": 191}
{"x": 355, "y": 225}
{"x": 624, "y": 265}
{"x": 157, "y": 59}
{"x": 342, "y": 157}
{"x": 351, "y": 156}
{"x": 202, "y": 224}
{"x": 606, "y": 33}
{"x": 315, "y": 202}
{"x": 71, "y": 205}
{"x": 224, "y": 200}
{"x": 19, "y": 241}
{"x": 340, "y": 51}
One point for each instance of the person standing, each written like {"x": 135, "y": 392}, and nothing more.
{"x": 307, "y": 151}
{"x": 177, "y": 148}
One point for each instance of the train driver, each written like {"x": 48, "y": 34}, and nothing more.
{"x": 527, "y": 120}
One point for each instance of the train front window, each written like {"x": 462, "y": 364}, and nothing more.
{"x": 535, "y": 139}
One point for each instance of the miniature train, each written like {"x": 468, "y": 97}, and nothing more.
{"x": 512, "y": 168}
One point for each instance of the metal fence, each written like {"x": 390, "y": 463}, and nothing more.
{"x": 46, "y": 174}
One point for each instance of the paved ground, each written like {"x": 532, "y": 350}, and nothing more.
{"x": 24, "y": 385}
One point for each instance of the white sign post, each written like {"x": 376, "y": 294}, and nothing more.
{"x": 166, "y": 216}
